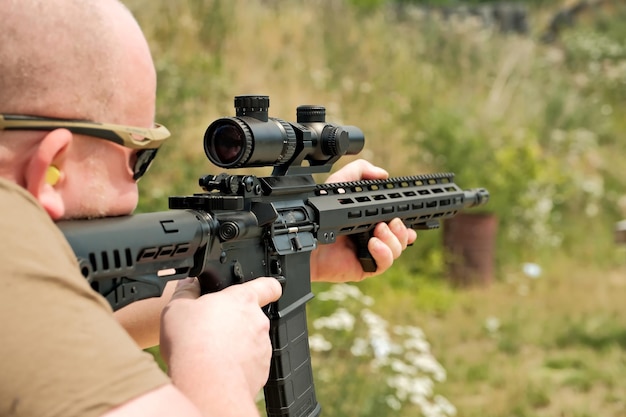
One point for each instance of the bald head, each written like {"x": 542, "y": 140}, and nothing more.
{"x": 75, "y": 59}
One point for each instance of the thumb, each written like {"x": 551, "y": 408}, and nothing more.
{"x": 266, "y": 289}
{"x": 188, "y": 288}
{"x": 358, "y": 170}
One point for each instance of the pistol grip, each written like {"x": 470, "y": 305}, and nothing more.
{"x": 362, "y": 253}
{"x": 290, "y": 390}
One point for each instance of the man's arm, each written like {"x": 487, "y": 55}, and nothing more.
{"x": 165, "y": 401}
{"x": 168, "y": 401}
{"x": 142, "y": 319}
{"x": 220, "y": 340}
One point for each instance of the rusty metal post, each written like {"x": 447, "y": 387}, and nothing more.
{"x": 469, "y": 248}
{"x": 620, "y": 232}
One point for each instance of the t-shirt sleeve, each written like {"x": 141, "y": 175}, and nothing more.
{"x": 62, "y": 351}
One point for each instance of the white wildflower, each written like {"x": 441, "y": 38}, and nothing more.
{"x": 342, "y": 292}
{"x": 318, "y": 343}
{"x": 492, "y": 324}
{"x": 401, "y": 367}
{"x": 393, "y": 403}
{"x": 427, "y": 364}
{"x": 446, "y": 406}
{"x": 381, "y": 347}
{"x": 531, "y": 270}
{"x": 420, "y": 345}
{"x": 359, "y": 347}
{"x": 341, "y": 319}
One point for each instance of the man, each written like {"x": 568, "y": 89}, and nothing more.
{"x": 63, "y": 352}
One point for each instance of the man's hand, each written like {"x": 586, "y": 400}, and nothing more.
{"x": 217, "y": 346}
{"x": 338, "y": 262}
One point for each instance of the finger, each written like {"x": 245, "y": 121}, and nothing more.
{"x": 381, "y": 253}
{"x": 188, "y": 288}
{"x": 412, "y": 236}
{"x": 400, "y": 231}
{"x": 386, "y": 236}
{"x": 266, "y": 289}
{"x": 358, "y": 170}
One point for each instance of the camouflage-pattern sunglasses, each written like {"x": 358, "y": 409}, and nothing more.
{"x": 147, "y": 140}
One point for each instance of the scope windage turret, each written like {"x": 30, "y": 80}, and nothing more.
{"x": 253, "y": 139}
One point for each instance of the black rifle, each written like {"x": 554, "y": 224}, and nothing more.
{"x": 243, "y": 227}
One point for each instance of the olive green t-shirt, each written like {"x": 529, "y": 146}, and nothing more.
{"x": 62, "y": 353}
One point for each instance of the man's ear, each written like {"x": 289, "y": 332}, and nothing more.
{"x": 44, "y": 172}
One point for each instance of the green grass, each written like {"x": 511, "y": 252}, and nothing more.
{"x": 556, "y": 351}
{"x": 545, "y": 346}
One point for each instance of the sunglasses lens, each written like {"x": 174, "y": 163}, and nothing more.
{"x": 144, "y": 160}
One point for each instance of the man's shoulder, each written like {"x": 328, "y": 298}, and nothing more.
{"x": 17, "y": 199}
{"x": 26, "y": 227}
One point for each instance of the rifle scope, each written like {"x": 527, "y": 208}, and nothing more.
{"x": 252, "y": 139}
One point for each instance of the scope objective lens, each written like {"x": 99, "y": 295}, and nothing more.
{"x": 227, "y": 144}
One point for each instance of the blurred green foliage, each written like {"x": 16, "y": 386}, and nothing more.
{"x": 539, "y": 124}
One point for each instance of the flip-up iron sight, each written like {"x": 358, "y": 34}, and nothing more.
{"x": 253, "y": 139}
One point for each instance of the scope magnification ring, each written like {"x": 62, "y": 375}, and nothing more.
{"x": 244, "y": 136}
